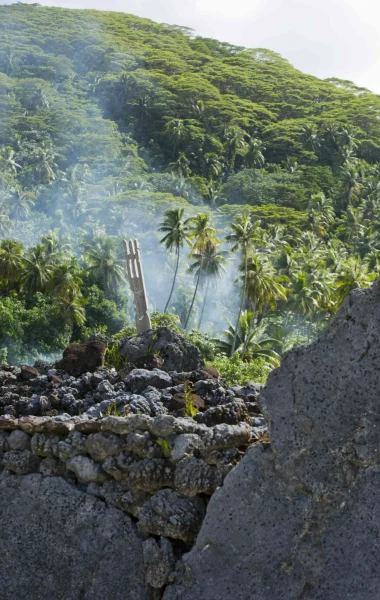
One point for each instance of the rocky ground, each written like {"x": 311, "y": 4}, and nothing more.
{"x": 152, "y": 389}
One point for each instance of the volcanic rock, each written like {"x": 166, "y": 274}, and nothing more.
{"x": 81, "y": 358}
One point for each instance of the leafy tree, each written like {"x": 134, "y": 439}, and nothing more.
{"x": 251, "y": 341}
{"x": 213, "y": 261}
{"x": 104, "y": 264}
{"x": 201, "y": 234}
{"x": 37, "y": 271}
{"x": 354, "y": 274}
{"x": 177, "y": 234}
{"x": 263, "y": 288}
{"x": 243, "y": 236}
{"x": 254, "y": 156}
{"x": 11, "y": 257}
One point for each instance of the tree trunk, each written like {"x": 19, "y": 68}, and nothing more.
{"x": 241, "y": 306}
{"x": 246, "y": 343}
{"x": 195, "y": 293}
{"x": 174, "y": 280}
{"x": 204, "y": 305}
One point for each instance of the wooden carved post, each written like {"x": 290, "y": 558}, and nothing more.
{"x": 137, "y": 284}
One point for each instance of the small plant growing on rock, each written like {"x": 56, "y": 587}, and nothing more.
{"x": 263, "y": 439}
{"x": 112, "y": 410}
{"x": 114, "y": 358}
{"x": 165, "y": 446}
{"x": 150, "y": 347}
{"x": 190, "y": 409}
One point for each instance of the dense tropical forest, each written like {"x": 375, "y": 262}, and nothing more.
{"x": 253, "y": 188}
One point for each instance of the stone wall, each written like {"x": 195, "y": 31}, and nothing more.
{"x": 160, "y": 470}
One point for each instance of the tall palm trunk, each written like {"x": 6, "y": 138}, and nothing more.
{"x": 204, "y": 305}
{"x": 174, "y": 280}
{"x": 248, "y": 335}
{"x": 195, "y": 293}
{"x": 241, "y": 305}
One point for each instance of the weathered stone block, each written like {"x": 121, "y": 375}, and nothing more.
{"x": 20, "y": 462}
{"x": 103, "y": 444}
{"x": 169, "y": 514}
{"x": 150, "y": 475}
{"x": 193, "y": 477}
{"x": 86, "y": 470}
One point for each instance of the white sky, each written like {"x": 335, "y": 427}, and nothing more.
{"x": 327, "y": 38}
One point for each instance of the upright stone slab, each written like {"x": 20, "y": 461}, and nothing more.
{"x": 137, "y": 284}
{"x": 301, "y": 520}
{"x": 59, "y": 543}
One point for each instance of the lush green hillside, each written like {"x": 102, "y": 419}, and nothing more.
{"x": 108, "y": 120}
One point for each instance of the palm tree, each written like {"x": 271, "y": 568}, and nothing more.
{"x": 201, "y": 233}
{"x": 321, "y": 214}
{"x": 7, "y": 160}
{"x": 251, "y": 340}
{"x": 10, "y": 262}
{"x": 65, "y": 281}
{"x": 181, "y": 166}
{"x": 5, "y": 221}
{"x": 350, "y": 187}
{"x": 103, "y": 262}
{"x": 20, "y": 203}
{"x": 55, "y": 247}
{"x": 347, "y": 137}
{"x": 243, "y": 237}
{"x": 208, "y": 267}
{"x": 254, "y": 156}
{"x": 45, "y": 165}
{"x": 38, "y": 267}
{"x": 70, "y": 310}
{"x": 304, "y": 297}
{"x": 215, "y": 194}
{"x": 373, "y": 261}
{"x": 177, "y": 233}
{"x": 235, "y": 143}
{"x": 353, "y": 275}
{"x": 351, "y": 225}
{"x": 263, "y": 288}
{"x": 198, "y": 109}
{"x": 213, "y": 165}
{"x": 177, "y": 130}
{"x": 312, "y": 137}
{"x": 276, "y": 238}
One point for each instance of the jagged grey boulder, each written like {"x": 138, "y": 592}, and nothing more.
{"x": 176, "y": 352}
{"x": 86, "y": 470}
{"x": 169, "y": 514}
{"x": 19, "y": 440}
{"x": 102, "y": 444}
{"x": 159, "y": 560}
{"x": 69, "y": 543}
{"x": 232, "y": 413}
{"x": 43, "y": 445}
{"x": 20, "y": 462}
{"x": 300, "y": 519}
{"x": 139, "y": 379}
{"x": 150, "y": 475}
{"x": 193, "y": 476}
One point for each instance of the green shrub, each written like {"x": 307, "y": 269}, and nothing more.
{"x": 203, "y": 342}
{"x": 239, "y": 372}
